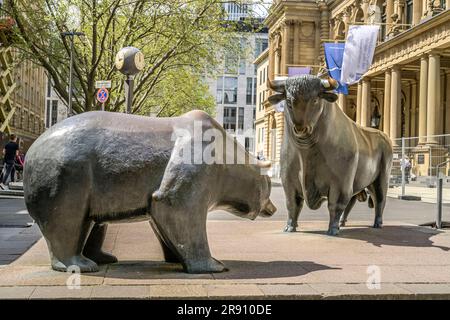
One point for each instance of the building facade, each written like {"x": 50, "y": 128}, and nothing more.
{"x": 56, "y": 109}
{"x": 235, "y": 86}
{"x": 262, "y": 71}
{"x": 22, "y": 93}
{"x": 405, "y": 93}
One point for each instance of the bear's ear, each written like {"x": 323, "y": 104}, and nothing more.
{"x": 277, "y": 98}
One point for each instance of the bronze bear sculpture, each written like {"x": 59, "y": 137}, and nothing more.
{"x": 100, "y": 167}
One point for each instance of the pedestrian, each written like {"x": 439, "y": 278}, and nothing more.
{"x": 10, "y": 152}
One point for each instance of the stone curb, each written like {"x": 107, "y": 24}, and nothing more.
{"x": 342, "y": 291}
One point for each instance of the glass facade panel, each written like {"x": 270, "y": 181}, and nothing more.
{"x": 230, "y": 90}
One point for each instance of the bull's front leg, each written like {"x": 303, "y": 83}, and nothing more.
{"x": 294, "y": 204}
{"x": 336, "y": 206}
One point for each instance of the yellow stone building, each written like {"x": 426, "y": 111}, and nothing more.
{"x": 408, "y": 84}
{"x": 22, "y": 93}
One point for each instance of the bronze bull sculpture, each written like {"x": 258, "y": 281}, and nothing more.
{"x": 327, "y": 156}
{"x": 101, "y": 167}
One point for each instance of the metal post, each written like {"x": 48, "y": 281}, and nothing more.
{"x": 439, "y": 201}
{"x": 129, "y": 83}
{"x": 403, "y": 166}
{"x": 70, "y": 74}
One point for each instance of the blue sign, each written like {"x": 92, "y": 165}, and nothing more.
{"x": 334, "y": 53}
{"x": 102, "y": 95}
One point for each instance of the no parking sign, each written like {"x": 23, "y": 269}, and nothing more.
{"x": 102, "y": 95}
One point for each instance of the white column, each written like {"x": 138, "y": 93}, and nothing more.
{"x": 365, "y": 103}
{"x": 395, "y": 105}
{"x": 387, "y": 103}
{"x": 433, "y": 96}
{"x": 423, "y": 99}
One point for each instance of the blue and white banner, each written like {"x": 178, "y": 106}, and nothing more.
{"x": 358, "y": 53}
{"x": 334, "y": 53}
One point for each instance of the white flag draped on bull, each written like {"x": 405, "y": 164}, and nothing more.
{"x": 358, "y": 53}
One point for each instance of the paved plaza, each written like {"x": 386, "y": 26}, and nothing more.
{"x": 402, "y": 260}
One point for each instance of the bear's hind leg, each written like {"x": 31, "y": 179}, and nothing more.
{"x": 65, "y": 243}
{"x": 93, "y": 248}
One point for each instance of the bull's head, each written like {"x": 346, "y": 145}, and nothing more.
{"x": 305, "y": 97}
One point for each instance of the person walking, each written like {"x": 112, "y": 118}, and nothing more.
{"x": 10, "y": 152}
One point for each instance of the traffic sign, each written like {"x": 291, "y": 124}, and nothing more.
{"x": 102, "y": 95}
{"x": 103, "y": 84}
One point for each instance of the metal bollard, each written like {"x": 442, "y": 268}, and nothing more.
{"x": 439, "y": 203}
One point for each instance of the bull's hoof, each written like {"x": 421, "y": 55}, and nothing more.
{"x": 290, "y": 228}
{"x": 101, "y": 257}
{"x": 75, "y": 264}
{"x": 378, "y": 223}
{"x": 210, "y": 266}
{"x": 333, "y": 231}
{"x": 343, "y": 223}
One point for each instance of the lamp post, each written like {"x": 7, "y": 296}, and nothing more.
{"x": 73, "y": 23}
{"x": 129, "y": 61}
{"x": 71, "y": 34}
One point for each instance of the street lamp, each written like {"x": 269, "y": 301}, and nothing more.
{"x": 73, "y": 23}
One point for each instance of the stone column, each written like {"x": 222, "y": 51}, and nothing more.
{"x": 389, "y": 12}
{"x": 417, "y": 11}
{"x": 284, "y": 48}
{"x": 441, "y": 112}
{"x": 413, "y": 108}
{"x": 342, "y": 102}
{"x": 433, "y": 96}
{"x": 447, "y": 104}
{"x": 297, "y": 27}
{"x": 407, "y": 132}
{"x": 358, "y": 104}
{"x": 365, "y": 103}
{"x": 387, "y": 103}
{"x": 423, "y": 89}
{"x": 395, "y": 105}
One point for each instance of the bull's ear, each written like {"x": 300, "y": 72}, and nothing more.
{"x": 276, "y": 98}
{"x": 277, "y": 85}
{"x": 329, "y": 96}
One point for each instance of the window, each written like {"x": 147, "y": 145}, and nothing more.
{"x": 219, "y": 93}
{"x": 54, "y": 111}
{"x": 242, "y": 66}
{"x": 231, "y": 64}
{"x": 264, "y": 75}
{"x": 247, "y": 143}
{"x": 249, "y": 93}
{"x": 260, "y": 46}
{"x": 230, "y": 90}
{"x": 229, "y": 118}
{"x": 241, "y": 119}
{"x": 49, "y": 87}
{"x": 383, "y": 21}
{"x": 254, "y": 90}
{"x": 260, "y": 77}
{"x": 47, "y": 112}
{"x": 260, "y": 101}
{"x": 409, "y": 11}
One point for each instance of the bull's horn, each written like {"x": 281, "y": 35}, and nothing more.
{"x": 330, "y": 83}
{"x": 278, "y": 85}
{"x": 263, "y": 164}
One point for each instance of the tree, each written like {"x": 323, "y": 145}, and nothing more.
{"x": 179, "y": 38}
